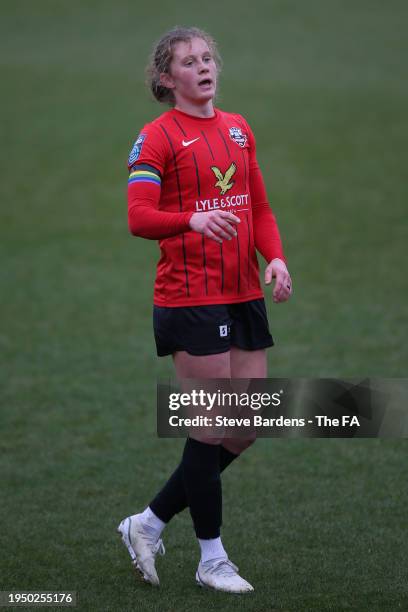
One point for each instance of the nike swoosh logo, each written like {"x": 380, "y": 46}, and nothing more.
{"x": 187, "y": 143}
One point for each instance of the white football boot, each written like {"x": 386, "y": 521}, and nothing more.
{"x": 142, "y": 547}
{"x": 221, "y": 575}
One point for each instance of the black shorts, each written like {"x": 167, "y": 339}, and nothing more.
{"x": 207, "y": 330}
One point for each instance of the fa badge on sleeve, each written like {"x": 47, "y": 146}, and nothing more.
{"x": 136, "y": 150}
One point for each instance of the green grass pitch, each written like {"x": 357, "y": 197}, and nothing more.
{"x": 315, "y": 525}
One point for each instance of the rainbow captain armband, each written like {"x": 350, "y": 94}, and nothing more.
{"x": 144, "y": 176}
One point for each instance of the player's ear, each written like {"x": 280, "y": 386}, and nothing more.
{"x": 166, "y": 80}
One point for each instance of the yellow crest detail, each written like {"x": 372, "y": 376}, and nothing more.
{"x": 224, "y": 181}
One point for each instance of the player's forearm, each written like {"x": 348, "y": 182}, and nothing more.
{"x": 146, "y": 222}
{"x": 266, "y": 233}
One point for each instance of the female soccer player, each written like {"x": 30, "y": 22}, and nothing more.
{"x": 195, "y": 185}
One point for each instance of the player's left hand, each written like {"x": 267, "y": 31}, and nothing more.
{"x": 283, "y": 284}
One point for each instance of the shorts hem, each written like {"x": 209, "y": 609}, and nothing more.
{"x": 204, "y": 352}
{"x": 258, "y": 347}
{"x": 195, "y": 353}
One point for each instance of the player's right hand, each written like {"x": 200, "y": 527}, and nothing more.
{"x": 218, "y": 225}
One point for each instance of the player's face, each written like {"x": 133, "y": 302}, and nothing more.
{"x": 193, "y": 73}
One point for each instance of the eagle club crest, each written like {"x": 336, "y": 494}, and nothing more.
{"x": 237, "y": 136}
{"x": 224, "y": 181}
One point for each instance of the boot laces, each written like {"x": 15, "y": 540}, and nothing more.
{"x": 223, "y": 567}
{"x": 155, "y": 547}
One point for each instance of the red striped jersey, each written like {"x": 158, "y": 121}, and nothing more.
{"x": 179, "y": 165}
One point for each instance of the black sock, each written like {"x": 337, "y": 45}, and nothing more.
{"x": 172, "y": 498}
{"x": 202, "y": 483}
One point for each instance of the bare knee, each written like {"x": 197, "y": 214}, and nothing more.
{"x": 238, "y": 445}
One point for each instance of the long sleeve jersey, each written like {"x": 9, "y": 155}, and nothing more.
{"x": 179, "y": 165}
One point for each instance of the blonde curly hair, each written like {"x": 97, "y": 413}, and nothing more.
{"x": 162, "y": 55}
